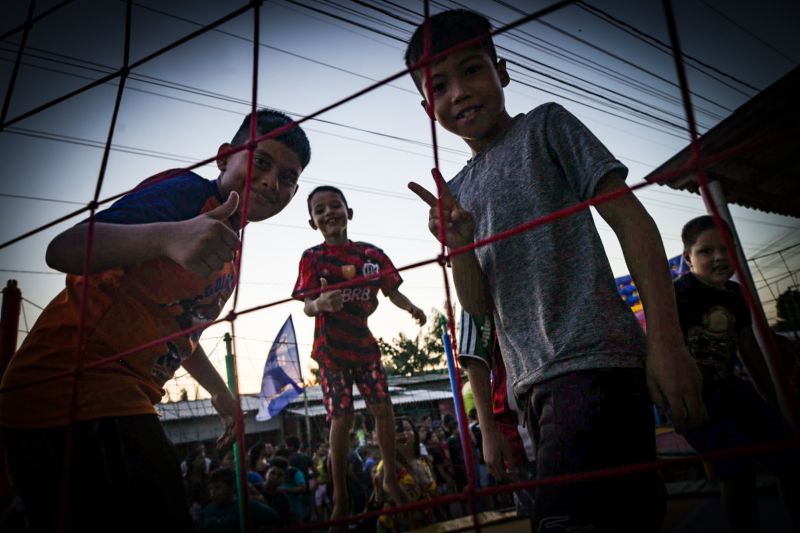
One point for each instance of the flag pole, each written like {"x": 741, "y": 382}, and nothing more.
{"x": 238, "y": 449}
{"x": 308, "y": 419}
{"x": 305, "y": 396}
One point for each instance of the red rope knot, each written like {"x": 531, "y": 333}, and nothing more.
{"x": 93, "y": 205}
{"x": 230, "y": 317}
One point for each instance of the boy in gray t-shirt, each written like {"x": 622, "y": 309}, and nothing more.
{"x": 569, "y": 344}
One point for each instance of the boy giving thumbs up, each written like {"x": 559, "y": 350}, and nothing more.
{"x": 162, "y": 264}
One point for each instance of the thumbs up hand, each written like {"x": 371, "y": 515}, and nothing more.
{"x": 203, "y": 244}
{"x": 329, "y": 301}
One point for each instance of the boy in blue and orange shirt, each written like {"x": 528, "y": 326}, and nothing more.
{"x": 163, "y": 260}
{"x": 343, "y": 344}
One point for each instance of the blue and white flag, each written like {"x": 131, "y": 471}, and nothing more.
{"x": 282, "y": 378}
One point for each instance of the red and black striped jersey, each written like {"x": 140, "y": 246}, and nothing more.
{"x": 343, "y": 338}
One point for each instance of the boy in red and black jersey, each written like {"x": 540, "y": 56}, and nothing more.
{"x": 343, "y": 344}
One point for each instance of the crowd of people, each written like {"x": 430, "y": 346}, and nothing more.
{"x": 289, "y": 484}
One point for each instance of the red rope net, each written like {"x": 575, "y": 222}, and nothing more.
{"x": 697, "y": 164}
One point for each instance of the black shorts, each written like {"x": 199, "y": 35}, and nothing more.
{"x": 739, "y": 416}
{"x": 124, "y": 476}
{"x": 589, "y": 420}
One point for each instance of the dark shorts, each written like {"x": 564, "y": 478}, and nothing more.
{"x": 589, "y": 420}
{"x": 337, "y": 386}
{"x": 124, "y": 476}
{"x": 739, "y": 416}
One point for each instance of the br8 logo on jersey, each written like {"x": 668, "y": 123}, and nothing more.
{"x": 356, "y": 294}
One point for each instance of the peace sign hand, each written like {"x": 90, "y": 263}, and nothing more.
{"x": 459, "y": 224}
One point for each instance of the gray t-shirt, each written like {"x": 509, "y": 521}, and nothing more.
{"x": 556, "y": 307}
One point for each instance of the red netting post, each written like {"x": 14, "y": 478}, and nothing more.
{"x": 714, "y": 197}
{"x": 9, "y": 323}
{"x": 466, "y": 441}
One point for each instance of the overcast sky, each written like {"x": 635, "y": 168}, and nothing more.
{"x": 606, "y": 66}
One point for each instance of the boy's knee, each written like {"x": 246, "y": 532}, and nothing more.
{"x": 381, "y": 410}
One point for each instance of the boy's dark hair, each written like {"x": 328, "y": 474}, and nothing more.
{"x": 692, "y": 229}
{"x": 223, "y": 475}
{"x": 293, "y": 442}
{"x": 254, "y": 454}
{"x": 280, "y": 462}
{"x": 326, "y": 188}
{"x": 448, "y": 29}
{"x": 268, "y": 120}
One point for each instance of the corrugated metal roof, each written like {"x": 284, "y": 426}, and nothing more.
{"x": 198, "y": 408}
{"x": 760, "y": 144}
{"x": 186, "y": 410}
{"x": 409, "y": 396}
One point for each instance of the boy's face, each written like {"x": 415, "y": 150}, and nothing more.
{"x": 276, "y": 169}
{"x": 221, "y": 493}
{"x": 275, "y": 476}
{"x": 708, "y": 259}
{"x": 329, "y": 215}
{"x": 468, "y": 97}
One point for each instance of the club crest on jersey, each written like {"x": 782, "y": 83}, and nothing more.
{"x": 370, "y": 269}
{"x": 348, "y": 271}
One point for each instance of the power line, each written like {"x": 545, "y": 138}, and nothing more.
{"x": 615, "y": 56}
{"x": 659, "y": 45}
{"x": 745, "y": 30}
{"x": 40, "y": 199}
{"x": 34, "y": 20}
{"x": 621, "y": 104}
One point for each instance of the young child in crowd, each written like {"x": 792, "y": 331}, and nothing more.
{"x": 221, "y": 515}
{"x": 277, "y": 470}
{"x": 570, "y": 346}
{"x": 716, "y": 326}
{"x": 343, "y": 344}
{"x": 162, "y": 261}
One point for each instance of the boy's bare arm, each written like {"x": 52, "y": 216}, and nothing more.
{"x": 201, "y": 244}
{"x": 326, "y": 302}
{"x": 753, "y": 359}
{"x": 401, "y": 300}
{"x": 672, "y": 375}
{"x": 472, "y": 287}
{"x": 222, "y": 399}
{"x": 496, "y": 451}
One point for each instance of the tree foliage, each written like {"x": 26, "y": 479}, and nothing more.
{"x": 405, "y": 356}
